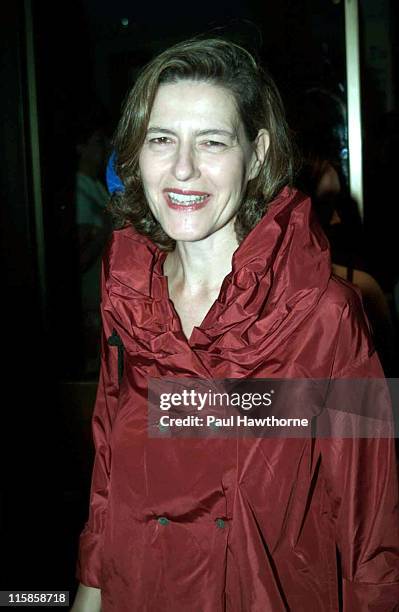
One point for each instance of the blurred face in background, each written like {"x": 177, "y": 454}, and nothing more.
{"x": 327, "y": 192}
{"x": 93, "y": 153}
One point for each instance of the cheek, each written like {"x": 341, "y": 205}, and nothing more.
{"x": 152, "y": 171}
{"x": 229, "y": 175}
{"x": 148, "y": 173}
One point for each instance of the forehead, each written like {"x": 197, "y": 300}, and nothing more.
{"x": 194, "y": 102}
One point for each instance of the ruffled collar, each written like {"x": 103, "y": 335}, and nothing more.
{"x": 278, "y": 274}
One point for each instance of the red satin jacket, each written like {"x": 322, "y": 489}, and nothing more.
{"x": 237, "y": 525}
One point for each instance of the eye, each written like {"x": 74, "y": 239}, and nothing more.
{"x": 160, "y": 140}
{"x": 214, "y": 144}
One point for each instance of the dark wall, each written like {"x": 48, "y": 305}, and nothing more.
{"x": 30, "y": 461}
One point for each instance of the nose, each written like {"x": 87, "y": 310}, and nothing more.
{"x": 185, "y": 165}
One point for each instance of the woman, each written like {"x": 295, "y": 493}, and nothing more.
{"x": 321, "y": 180}
{"x": 218, "y": 272}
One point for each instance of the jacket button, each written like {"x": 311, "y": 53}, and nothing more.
{"x": 162, "y": 520}
{"x": 219, "y": 523}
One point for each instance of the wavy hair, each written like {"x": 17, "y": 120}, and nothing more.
{"x": 225, "y": 64}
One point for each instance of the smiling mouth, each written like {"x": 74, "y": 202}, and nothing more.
{"x": 188, "y": 201}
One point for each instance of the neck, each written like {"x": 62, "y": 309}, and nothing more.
{"x": 199, "y": 268}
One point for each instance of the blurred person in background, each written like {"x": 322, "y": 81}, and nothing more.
{"x": 323, "y": 177}
{"x": 94, "y": 227}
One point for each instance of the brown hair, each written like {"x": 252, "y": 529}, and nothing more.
{"x": 258, "y": 101}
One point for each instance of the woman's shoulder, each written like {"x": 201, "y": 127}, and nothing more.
{"x": 373, "y": 297}
{"x": 365, "y": 281}
{"x": 126, "y": 244}
{"x": 128, "y": 235}
{"x": 341, "y": 308}
{"x": 342, "y": 312}
{"x": 129, "y": 258}
{"x": 342, "y": 293}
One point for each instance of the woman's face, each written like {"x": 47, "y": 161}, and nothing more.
{"x": 196, "y": 160}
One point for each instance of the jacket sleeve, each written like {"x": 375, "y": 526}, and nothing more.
{"x": 91, "y": 539}
{"x": 362, "y": 486}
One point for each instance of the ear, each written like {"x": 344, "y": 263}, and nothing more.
{"x": 261, "y": 145}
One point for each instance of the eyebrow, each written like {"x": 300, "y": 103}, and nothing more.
{"x": 207, "y": 132}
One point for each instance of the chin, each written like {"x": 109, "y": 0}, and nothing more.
{"x": 186, "y": 236}
{"x": 183, "y": 234}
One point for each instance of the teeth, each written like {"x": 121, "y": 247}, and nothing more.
{"x": 178, "y": 198}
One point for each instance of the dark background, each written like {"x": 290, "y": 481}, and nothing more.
{"x": 84, "y": 57}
